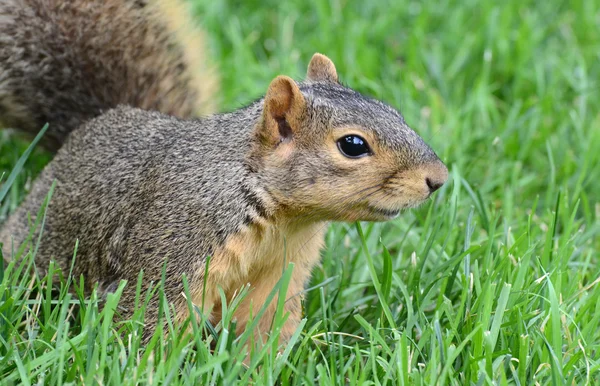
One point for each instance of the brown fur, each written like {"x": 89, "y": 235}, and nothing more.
{"x": 257, "y": 256}
{"x": 253, "y": 188}
{"x": 321, "y": 69}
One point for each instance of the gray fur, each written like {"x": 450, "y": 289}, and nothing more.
{"x": 64, "y": 62}
{"x": 342, "y": 106}
{"x": 146, "y": 196}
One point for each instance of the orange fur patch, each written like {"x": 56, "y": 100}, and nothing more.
{"x": 257, "y": 256}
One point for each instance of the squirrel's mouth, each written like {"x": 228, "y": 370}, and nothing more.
{"x": 388, "y": 213}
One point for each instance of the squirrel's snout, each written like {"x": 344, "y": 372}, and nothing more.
{"x": 433, "y": 185}
{"x": 436, "y": 175}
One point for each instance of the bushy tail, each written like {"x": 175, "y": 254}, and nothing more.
{"x": 66, "y": 61}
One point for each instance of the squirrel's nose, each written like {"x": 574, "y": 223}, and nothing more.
{"x": 437, "y": 176}
{"x": 433, "y": 185}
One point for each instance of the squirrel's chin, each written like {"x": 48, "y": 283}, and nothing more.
{"x": 382, "y": 214}
{"x": 376, "y": 213}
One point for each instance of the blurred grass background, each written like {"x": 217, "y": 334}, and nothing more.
{"x": 495, "y": 281}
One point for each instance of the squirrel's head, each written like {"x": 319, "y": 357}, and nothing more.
{"x": 329, "y": 153}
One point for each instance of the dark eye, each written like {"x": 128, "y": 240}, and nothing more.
{"x": 353, "y": 146}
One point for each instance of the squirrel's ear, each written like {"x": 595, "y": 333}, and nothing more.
{"x": 283, "y": 109}
{"x": 321, "y": 69}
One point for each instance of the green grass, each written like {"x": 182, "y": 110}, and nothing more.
{"x": 494, "y": 281}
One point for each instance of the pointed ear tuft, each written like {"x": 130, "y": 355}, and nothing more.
{"x": 321, "y": 69}
{"x": 283, "y": 108}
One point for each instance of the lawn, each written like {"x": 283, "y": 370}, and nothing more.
{"x": 496, "y": 280}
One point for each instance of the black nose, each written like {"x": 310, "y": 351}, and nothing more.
{"x": 433, "y": 185}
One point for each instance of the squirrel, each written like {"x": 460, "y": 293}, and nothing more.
{"x": 253, "y": 189}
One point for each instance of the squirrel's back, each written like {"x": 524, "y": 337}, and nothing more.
{"x": 65, "y": 62}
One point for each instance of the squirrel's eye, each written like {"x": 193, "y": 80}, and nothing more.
{"x": 353, "y": 146}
